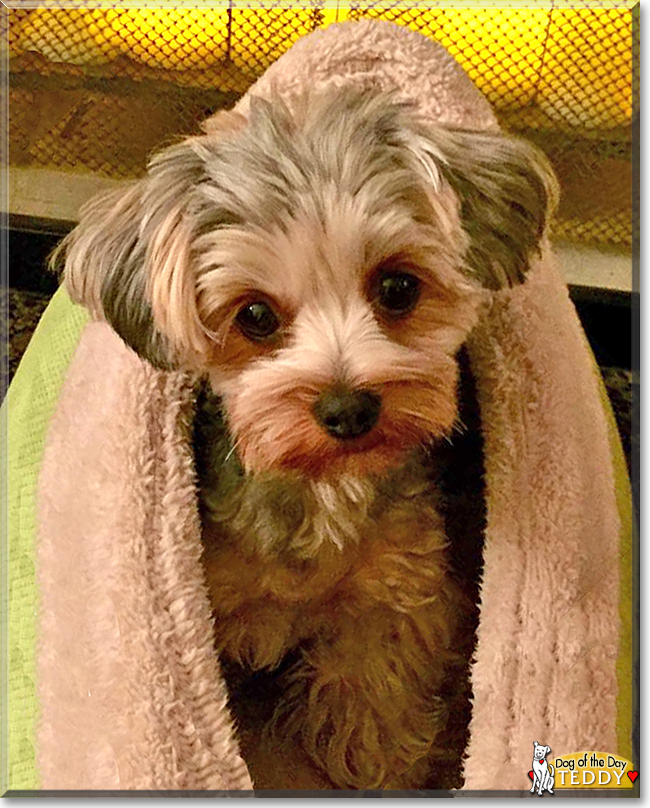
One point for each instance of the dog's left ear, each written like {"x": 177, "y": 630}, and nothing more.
{"x": 507, "y": 192}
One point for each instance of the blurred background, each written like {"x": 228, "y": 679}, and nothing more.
{"x": 95, "y": 90}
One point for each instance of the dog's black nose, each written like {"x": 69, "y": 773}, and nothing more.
{"x": 347, "y": 414}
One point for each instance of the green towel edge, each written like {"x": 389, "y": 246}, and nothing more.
{"x": 625, "y": 698}
{"x": 25, "y": 416}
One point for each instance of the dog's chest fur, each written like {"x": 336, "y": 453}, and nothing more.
{"x": 289, "y": 562}
{"x": 281, "y": 551}
{"x": 289, "y": 518}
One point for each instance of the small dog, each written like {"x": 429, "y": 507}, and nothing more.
{"x": 543, "y": 772}
{"x": 319, "y": 267}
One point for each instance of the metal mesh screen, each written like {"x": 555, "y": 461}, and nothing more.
{"x": 98, "y": 89}
{"x": 562, "y": 77}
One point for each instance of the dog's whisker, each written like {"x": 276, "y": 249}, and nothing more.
{"x": 230, "y": 454}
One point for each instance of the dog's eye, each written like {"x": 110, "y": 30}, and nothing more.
{"x": 398, "y": 292}
{"x": 257, "y": 321}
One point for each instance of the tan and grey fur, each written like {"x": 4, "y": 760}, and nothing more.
{"x": 333, "y": 548}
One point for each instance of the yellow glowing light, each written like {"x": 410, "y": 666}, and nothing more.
{"x": 576, "y": 65}
{"x": 260, "y": 36}
{"x": 332, "y": 14}
{"x": 573, "y": 64}
{"x": 76, "y": 36}
{"x": 587, "y": 76}
{"x": 177, "y": 39}
{"x": 501, "y": 49}
{"x": 172, "y": 38}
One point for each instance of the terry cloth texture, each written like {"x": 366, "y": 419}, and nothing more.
{"x": 129, "y": 689}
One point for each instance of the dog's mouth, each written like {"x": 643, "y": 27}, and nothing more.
{"x": 361, "y": 445}
{"x": 374, "y": 453}
{"x": 362, "y": 433}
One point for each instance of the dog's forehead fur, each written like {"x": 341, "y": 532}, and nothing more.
{"x": 269, "y": 167}
{"x": 315, "y": 200}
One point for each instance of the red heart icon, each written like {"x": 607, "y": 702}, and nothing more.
{"x": 532, "y": 776}
{"x": 633, "y": 775}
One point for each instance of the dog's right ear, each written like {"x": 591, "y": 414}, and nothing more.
{"x": 129, "y": 259}
{"x": 102, "y": 263}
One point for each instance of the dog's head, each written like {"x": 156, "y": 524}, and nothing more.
{"x": 540, "y": 751}
{"x": 321, "y": 267}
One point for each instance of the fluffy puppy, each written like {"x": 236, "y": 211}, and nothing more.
{"x": 319, "y": 267}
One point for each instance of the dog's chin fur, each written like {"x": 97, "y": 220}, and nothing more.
{"x": 332, "y": 546}
{"x": 284, "y": 435}
{"x": 291, "y": 514}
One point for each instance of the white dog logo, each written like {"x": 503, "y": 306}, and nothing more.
{"x": 543, "y": 772}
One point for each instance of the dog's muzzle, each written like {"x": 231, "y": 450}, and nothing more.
{"x": 347, "y": 414}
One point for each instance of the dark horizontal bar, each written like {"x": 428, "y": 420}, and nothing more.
{"x": 606, "y": 314}
{"x": 329, "y": 794}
